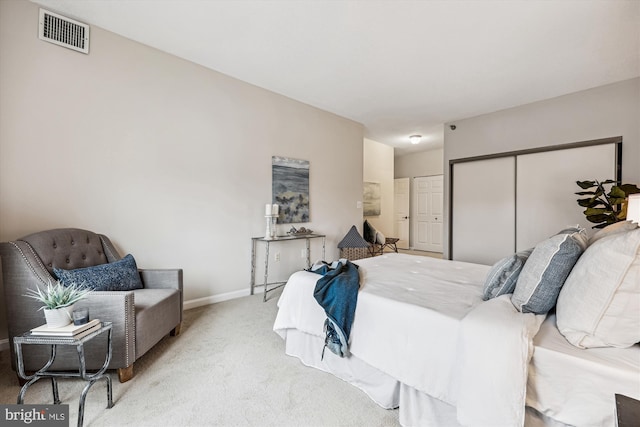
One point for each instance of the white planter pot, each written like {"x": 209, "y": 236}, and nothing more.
{"x": 58, "y": 317}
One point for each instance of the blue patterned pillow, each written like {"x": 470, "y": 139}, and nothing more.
{"x": 504, "y": 274}
{"x": 547, "y": 268}
{"x": 120, "y": 275}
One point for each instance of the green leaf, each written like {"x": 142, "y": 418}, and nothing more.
{"x": 585, "y": 184}
{"x": 608, "y": 181}
{"x": 586, "y": 203}
{"x": 616, "y": 201}
{"x": 57, "y": 295}
{"x": 590, "y": 203}
{"x": 629, "y": 189}
{"x": 597, "y": 218}
{"x": 584, "y": 193}
{"x": 617, "y": 192}
{"x": 596, "y": 211}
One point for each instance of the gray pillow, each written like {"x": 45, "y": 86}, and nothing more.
{"x": 504, "y": 274}
{"x": 121, "y": 275}
{"x": 546, "y": 270}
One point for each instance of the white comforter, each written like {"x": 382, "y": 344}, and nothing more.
{"x": 423, "y": 322}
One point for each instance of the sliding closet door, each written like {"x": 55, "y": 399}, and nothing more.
{"x": 546, "y": 183}
{"x": 483, "y": 206}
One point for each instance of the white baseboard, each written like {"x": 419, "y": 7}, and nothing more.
{"x": 199, "y": 302}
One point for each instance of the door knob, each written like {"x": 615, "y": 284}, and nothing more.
{"x": 406, "y": 217}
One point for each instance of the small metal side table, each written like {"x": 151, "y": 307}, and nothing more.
{"x": 54, "y": 342}
{"x": 267, "y": 242}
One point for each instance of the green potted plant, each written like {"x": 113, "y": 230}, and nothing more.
{"x": 602, "y": 207}
{"x": 58, "y": 301}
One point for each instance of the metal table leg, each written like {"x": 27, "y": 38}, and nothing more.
{"x": 253, "y": 265}
{"x": 40, "y": 373}
{"x": 99, "y": 375}
{"x": 266, "y": 271}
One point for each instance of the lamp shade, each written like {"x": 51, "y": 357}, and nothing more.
{"x": 633, "y": 208}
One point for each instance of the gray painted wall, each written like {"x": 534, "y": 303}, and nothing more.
{"x": 423, "y": 163}
{"x": 169, "y": 159}
{"x": 606, "y": 111}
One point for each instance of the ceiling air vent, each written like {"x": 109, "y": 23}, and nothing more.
{"x": 63, "y": 31}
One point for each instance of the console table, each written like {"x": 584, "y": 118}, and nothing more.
{"x": 279, "y": 239}
{"x": 54, "y": 342}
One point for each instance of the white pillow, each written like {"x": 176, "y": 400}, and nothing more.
{"x": 599, "y": 305}
{"x": 616, "y": 227}
{"x": 380, "y": 238}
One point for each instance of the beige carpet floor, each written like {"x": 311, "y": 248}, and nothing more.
{"x": 227, "y": 368}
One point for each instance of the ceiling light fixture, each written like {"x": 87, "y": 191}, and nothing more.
{"x": 415, "y": 139}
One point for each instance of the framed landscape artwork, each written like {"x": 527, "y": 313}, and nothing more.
{"x": 290, "y": 189}
{"x": 371, "y": 199}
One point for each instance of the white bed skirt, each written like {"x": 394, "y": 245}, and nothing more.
{"x": 415, "y": 407}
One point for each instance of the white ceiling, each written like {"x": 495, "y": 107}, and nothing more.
{"x": 398, "y": 67}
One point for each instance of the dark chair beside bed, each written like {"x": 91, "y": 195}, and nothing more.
{"x": 377, "y": 240}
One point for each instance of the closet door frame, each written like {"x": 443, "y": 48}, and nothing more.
{"x": 617, "y": 140}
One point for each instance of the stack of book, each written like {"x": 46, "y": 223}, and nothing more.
{"x": 72, "y": 332}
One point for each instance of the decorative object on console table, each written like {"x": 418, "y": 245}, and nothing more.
{"x": 299, "y": 232}
{"x": 602, "y": 207}
{"x": 271, "y": 216}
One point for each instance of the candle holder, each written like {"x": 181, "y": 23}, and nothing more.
{"x": 270, "y": 232}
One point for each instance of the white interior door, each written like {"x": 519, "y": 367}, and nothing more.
{"x": 401, "y": 212}
{"x": 426, "y": 221}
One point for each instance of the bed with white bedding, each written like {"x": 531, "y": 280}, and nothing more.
{"x": 424, "y": 340}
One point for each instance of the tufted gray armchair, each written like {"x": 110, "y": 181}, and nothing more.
{"x": 140, "y": 318}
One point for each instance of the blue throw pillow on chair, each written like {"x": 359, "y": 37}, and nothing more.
{"x": 121, "y": 275}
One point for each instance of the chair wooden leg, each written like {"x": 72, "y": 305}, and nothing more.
{"x": 125, "y": 374}
{"x": 176, "y": 331}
